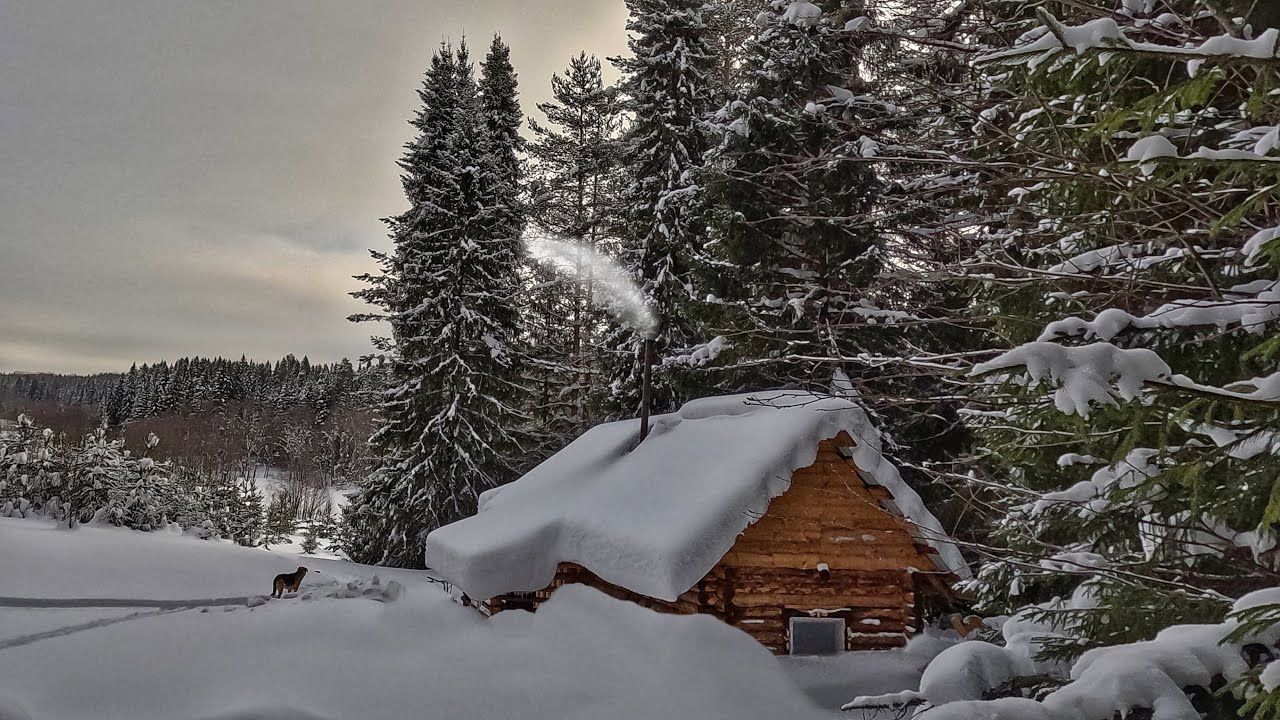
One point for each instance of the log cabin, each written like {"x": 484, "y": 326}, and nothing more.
{"x": 774, "y": 512}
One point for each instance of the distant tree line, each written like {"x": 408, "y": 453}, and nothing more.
{"x": 193, "y": 383}
{"x": 228, "y": 427}
{"x": 88, "y": 390}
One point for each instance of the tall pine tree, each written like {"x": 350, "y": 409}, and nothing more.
{"x": 669, "y": 86}
{"x": 795, "y": 244}
{"x": 573, "y": 198}
{"x": 447, "y": 289}
{"x": 500, "y": 107}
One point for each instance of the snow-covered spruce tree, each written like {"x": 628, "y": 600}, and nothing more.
{"x": 281, "y": 522}
{"x": 246, "y": 517}
{"x": 144, "y": 497}
{"x": 311, "y": 536}
{"x": 97, "y": 479}
{"x": 1136, "y": 422}
{"x": 94, "y": 469}
{"x": 500, "y": 108}
{"x": 106, "y": 483}
{"x": 29, "y": 468}
{"x": 572, "y": 198}
{"x": 669, "y": 87}
{"x": 794, "y": 240}
{"x": 235, "y": 509}
{"x": 502, "y": 117}
{"x": 448, "y": 290}
{"x": 195, "y": 508}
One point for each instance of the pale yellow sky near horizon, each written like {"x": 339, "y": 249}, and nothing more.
{"x": 184, "y": 178}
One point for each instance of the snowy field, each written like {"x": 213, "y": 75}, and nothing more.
{"x": 198, "y": 651}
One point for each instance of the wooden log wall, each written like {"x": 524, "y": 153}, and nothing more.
{"x": 829, "y": 517}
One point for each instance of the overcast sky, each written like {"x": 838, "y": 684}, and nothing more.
{"x": 182, "y": 177}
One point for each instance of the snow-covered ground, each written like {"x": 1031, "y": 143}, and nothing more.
{"x": 583, "y": 655}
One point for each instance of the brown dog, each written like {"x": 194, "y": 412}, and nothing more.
{"x": 287, "y": 582}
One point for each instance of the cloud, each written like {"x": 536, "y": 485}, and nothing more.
{"x": 185, "y": 178}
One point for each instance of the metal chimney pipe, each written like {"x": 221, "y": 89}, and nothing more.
{"x": 646, "y": 387}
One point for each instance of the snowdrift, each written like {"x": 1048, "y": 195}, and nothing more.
{"x": 583, "y": 655}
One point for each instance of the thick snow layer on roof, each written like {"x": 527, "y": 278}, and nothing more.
{"x": 657, "y": 518}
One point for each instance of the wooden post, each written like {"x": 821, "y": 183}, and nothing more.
{"x": 645, "y": 388}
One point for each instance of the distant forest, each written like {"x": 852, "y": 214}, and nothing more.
{"x": 189, "y": 383}
{"x": 216, "y": 416}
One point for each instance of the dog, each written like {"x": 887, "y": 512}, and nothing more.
{"x": 287, "y": 582}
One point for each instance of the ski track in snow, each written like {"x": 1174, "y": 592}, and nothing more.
{"x": 19, "y": 602}
{"x": 162, "y": 607}
{"x": 69, "y": 629}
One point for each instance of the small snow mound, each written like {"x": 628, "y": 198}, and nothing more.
{"x": 923, "y": 647}
{"x": 859, "y": 23}
{"x": 366, "y": 588}
{"x": 966, "y": 672}
{"x": 803, "y": 14}
{"x": 889, "y": 700}
{"x": 1254, "y": 247}
{"x": 392, "y": 592}
{"x": 1002, "y": 709}
{"x": 1149, "y": 149}
{"x": 257, "y": 601}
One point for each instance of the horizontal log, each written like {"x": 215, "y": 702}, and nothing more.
{"x": 877, "y": 524}
{"x": 774, "y": 543}
{"x": 765, "y": 613}
{"x": 770, "y": 638}
{"x": 811, "y": 560}
{"x": 780, "y": 600}
{"x": 758, "y": 624}
{"x": 833, "y": 590}
{"x": 837, "y": 579}
{"x": 837, "y": 512}
{"x": 897, "y": 625}
{"x": 906, "y": 554}
{"x": 822, "y": 481}
{"x": 808, "y": 602}
{"x": 883, "y": 636}
{"x": 810, "y": 590}
{"x": 744, "y": 573}
{"x": 859, "y": 645}
{"x": 850, "y": 528}
{"x": 895, "y": 614}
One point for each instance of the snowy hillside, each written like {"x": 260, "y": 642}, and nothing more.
{"x": 584, "y": 655}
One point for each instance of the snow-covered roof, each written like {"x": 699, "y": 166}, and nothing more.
{"x": 657, "y": 518}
